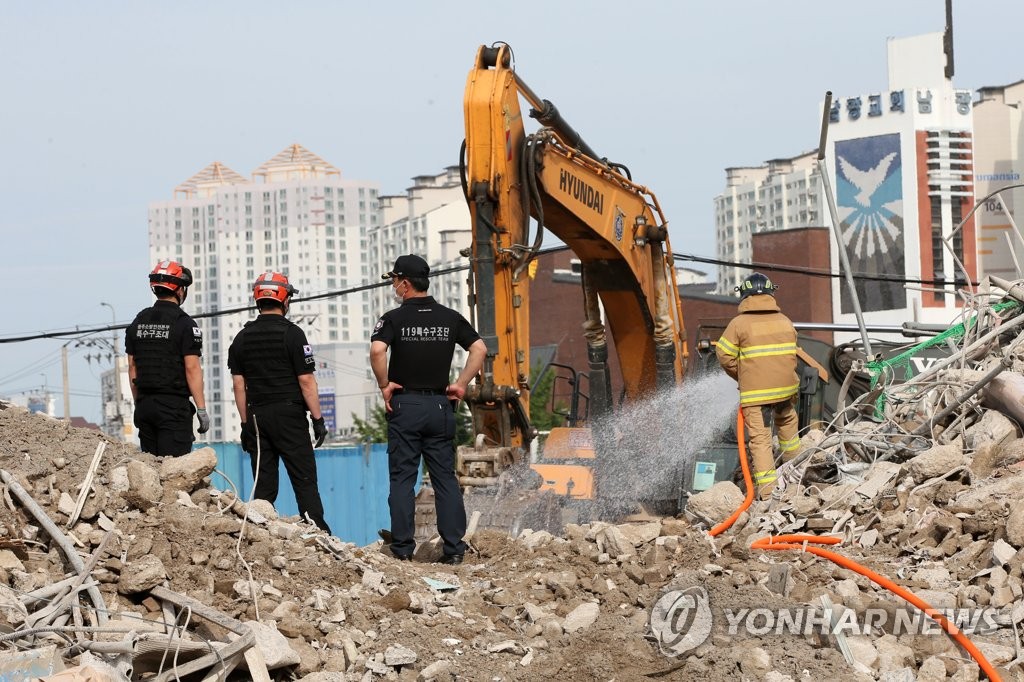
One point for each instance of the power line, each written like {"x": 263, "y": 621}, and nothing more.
{"x": 53, "y": 390}
{"x": 772, "y": 267}
{"x": 814, "y": 272}
{"x": 34, "y": 367}
{"x": 241, "y": 309}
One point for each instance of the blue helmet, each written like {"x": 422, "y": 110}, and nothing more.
{"x": 756, "y": 283}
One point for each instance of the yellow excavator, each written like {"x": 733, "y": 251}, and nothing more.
{"x": 617, "y": 230}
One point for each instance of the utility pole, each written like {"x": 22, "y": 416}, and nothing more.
{"x": 64, "y": 381}
{"x": 117, "y": 373}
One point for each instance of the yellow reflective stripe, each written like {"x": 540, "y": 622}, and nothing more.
{"x": 768, "y": 394}
{"x": 789, "y": 344}
{"x": 745, "y": 355}
{"x": 762, "y": 477}
{"x": 788, "y": 445}
{"x": 767, "y": 350}
{"x": 727, "y": 347}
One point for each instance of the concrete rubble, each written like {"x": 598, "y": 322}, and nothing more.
{"x": 234, "y": 591}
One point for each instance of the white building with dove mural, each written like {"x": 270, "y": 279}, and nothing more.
{"x": 901, "y": 166}
{"x": 902, "y": 163}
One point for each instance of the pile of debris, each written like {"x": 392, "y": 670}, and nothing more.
{"x": 115, "y": 565}
{"x": 152, "y": 574}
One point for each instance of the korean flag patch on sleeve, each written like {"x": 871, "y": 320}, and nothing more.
{"x": 197, "y": 333}
{"x": 307, "y": 351}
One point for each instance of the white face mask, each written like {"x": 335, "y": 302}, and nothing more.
{"x": 397, "y": 296}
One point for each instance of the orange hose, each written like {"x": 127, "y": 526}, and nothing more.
{"x": 781, "y": 542}
{"x": 724, "y": 525}
{"x": 790, "y": 542}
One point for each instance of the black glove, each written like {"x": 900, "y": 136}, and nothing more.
{"x": 319, "y": 431}
{"x": 249, "y": 439}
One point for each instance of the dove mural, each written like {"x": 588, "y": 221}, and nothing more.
{"x": 869, "y": 197}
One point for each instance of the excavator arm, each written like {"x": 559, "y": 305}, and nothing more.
{"x": 613, "y": 225}
{"x": 499, "y": 400}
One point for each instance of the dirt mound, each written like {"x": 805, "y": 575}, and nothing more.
{"x": 536, "y": 607}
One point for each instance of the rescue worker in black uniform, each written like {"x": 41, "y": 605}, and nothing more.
{"x": 163, "y": 345}
{"x": 420, "y": 402}
{"x": 272, "y": 366}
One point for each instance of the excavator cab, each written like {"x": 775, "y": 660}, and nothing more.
{"x": 572, "y": 403}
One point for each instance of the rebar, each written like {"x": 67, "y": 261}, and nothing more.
{"x": 62, "y": 540}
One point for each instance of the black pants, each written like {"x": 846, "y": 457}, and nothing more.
{"x": 423, "y": 425}
{"x": 284, "y": 435}
{"x": 165, "y": 424}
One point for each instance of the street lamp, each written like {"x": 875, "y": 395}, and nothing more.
{"x": 117, "y": 370}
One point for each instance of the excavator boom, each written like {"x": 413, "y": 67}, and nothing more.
{"x": 614, "y": 226}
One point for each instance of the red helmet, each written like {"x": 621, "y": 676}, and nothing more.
{"x": 273, "y": 285}
{"x": 170, "y": 275}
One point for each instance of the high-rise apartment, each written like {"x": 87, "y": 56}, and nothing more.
{"x": 998, "y": 162}
{"x": 779, "y": 195}
{"x": 296, "y": 215}
{"x": 431, "y": 220}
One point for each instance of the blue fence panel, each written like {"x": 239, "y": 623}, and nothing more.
{"x": 353, "y": 486}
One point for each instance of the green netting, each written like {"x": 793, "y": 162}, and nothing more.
{"x": 900, "y": 367}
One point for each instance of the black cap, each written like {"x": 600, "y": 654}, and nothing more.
{"x": 408, "y": 265}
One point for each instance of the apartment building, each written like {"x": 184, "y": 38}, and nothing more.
{"x": 431, "y": 219}
{"x": 296, "y": 215}
{"x": 998, "y": 163}
{"x": 781, "y": 194}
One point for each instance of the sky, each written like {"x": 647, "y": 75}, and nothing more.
{"x": 106, "y": 107}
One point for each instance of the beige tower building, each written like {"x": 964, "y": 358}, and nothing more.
{"x": 296, "y": 215}
{"x": 998, "y": 163}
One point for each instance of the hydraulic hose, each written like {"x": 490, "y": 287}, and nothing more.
{"x": 802, "y": 543}
{"x": 749, "y": 499}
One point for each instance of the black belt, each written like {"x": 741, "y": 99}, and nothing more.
{"x": 424, "y": 391}
{"x": 268, "y": 403}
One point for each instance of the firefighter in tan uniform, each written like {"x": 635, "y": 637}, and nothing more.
{"x": 758, "y": 350}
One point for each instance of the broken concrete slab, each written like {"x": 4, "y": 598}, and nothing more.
{"x": 993, "y": 427}
{"x": 188, "y": 471}
{"x": 144, "y": 488}
{"x": 396, "y": 655}
{"x": 1015, "y": 526}
{"x": 1009, "y": 487}
{"x": 640, "y": 533}
{"x": 273, "y": 645}
{"x": 17, "y": 666}
{"x": 141, "y": 574}
{"x": 716, "y": 503}
{"x": 936, "y": 461}
{"x": 582, "y": 617}
{"x": 536, "y": 539}
{"x": 1005, "y": 394}
{"x": 863, "y": 650}
{"x": 892, "y": 655}
{"x": 612, "y": 540}
{"x": 1002, "y": 552}
{"x": 436, "y": 670}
